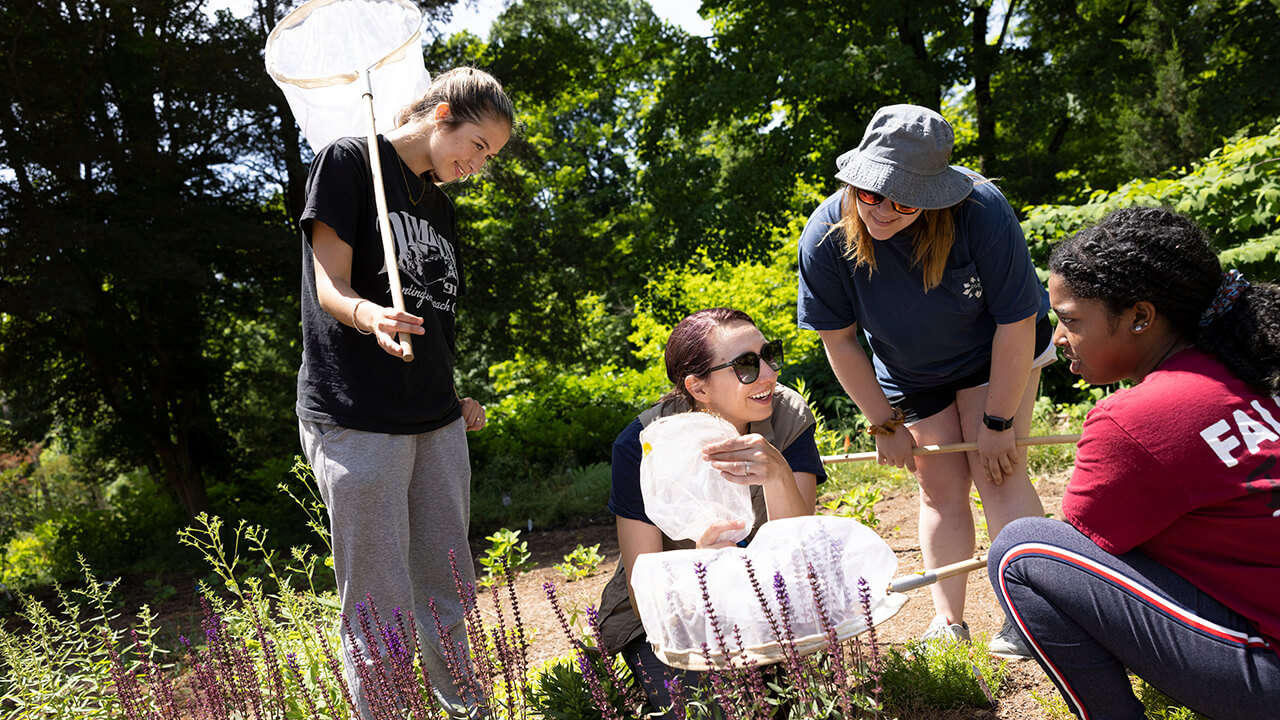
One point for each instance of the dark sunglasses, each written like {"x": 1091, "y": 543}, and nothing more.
{"x": 747, "y": 365}
{"x": 866, "y": 197}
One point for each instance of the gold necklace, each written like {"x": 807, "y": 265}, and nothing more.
{"x": 408, "y": 190}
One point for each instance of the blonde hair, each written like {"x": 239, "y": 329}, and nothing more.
{"x": 472, "y": 95}
{"x": 932, "y": 236}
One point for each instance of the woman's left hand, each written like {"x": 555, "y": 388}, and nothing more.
{"x": 713, "y": 538}
{"x": 472, "y": 414}
{"x": 747, "y": 460}
{"x": 997, "y": 453}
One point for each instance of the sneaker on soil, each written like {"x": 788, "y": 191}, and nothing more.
{"x": 940, "y": 629}
{"x": 1008, "y": 644}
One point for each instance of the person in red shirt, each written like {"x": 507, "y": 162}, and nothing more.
{"x": 1168, "y": 564}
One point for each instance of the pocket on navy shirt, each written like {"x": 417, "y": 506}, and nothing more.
{"x": 965, "y": 286}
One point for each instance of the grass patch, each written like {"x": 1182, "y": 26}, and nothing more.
{"x": 526, "y": 502}
{"x": 942, "y": 675}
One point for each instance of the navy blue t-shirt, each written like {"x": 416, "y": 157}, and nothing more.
{"x": 923, "y": 340}
{"x": 625, "y": 499}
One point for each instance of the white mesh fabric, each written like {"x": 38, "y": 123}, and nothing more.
{"x": 682, "y": 493}
{"x": 840, "y": 550}
{"x": 319, "y": 53}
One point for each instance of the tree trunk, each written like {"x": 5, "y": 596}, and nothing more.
{"x": 981, "y": 64}
{"x": 182, "y": 478}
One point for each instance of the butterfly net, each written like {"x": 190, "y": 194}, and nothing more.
{"x": 839, "y": 551}
{"x": 683, "y": 494}
{"x": 320, "y": 53}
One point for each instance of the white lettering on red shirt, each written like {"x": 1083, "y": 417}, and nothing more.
{"x": 1249, "y": 431}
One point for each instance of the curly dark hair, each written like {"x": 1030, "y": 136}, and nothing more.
{"x": 1157, "y": 255}
{"x": 688, "y": 352}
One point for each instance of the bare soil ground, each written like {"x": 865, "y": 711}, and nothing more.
{"x": 897, "y": 513}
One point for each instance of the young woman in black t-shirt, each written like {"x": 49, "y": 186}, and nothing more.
{"x": 386, "y": 438}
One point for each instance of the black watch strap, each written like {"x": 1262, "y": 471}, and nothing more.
{"x": 997, "y": 423}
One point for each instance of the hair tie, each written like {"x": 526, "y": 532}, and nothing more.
{"x": 1233, "y": 283}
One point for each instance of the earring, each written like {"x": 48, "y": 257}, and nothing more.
{"x": 1139, "y": 327}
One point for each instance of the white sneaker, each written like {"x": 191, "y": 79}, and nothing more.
{"x": 940, "y": 629}
{"x": 1008, "y": 644}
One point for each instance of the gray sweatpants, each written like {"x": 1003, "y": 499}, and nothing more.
{"x": 397, "y": 505}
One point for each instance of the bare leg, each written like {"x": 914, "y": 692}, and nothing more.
{"x": 946, "y": 521}
{"x": 1015, "y": 497}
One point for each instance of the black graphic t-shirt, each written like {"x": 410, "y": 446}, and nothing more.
{"x": 346, "y": 378}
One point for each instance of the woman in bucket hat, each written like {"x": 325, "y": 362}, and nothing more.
{"x": 928, "y": 260}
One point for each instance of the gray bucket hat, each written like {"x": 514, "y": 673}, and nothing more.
{"x": 904, "y": 155}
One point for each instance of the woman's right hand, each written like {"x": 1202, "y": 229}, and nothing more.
{"x": 895, "y": 449}
{"x": 387, "y": 323}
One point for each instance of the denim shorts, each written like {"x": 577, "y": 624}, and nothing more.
{"x": 924, "y": 403}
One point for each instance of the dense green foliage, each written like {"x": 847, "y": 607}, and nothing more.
{"x": 150, "y": 176}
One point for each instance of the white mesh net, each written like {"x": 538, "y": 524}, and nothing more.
{"x": 682, "y": 493}
{"x": 840, "y": 551}
{"x": 320, "y": 52}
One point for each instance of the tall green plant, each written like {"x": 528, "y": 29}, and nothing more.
{"x": 58, "y": 665}
{"x": 1234, "y": 193}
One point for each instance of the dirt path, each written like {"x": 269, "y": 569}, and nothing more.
{"x": 897, "y": 515}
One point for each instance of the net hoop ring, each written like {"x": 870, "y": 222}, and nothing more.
{"x": 299, "y": 15}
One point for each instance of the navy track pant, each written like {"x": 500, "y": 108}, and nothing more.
{"x": 1089, "y": 617}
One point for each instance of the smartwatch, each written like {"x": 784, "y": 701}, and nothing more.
{"x": 997, "y": 423}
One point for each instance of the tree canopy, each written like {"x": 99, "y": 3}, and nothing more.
{"x": 151, "y": 177}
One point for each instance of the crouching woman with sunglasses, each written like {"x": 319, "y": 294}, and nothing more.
{"x": 718, "y": 362}
{"x": 928, "y": 261}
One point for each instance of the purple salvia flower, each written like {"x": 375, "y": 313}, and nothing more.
{"x": 760, "y": 597}
{"x": 401, "y": 658}
{"x": 456, "y": 669}
{"x": 593, "y": 622}
{"x": 675, "y": 691}
{"x": 466, "y": 595}
{"x": 432, "y": 705}
{"x": 222, "y": 675}
{"x": 752, "y": 678}
{"x": 161, "y": 689}
{"x": 550, "y": 589}
{"x": 700, "y": 570}
{"x": 292, "y": 661}
{"x": 503, "y": 650}
{"x": 597, "y": 692}
{"x": 374, "y": 682}
{"x": 335, "y": 668}
{"x": 367, "y": 684}
{"x": 199, "y": 669}
{"x": 786, "y": 613}
{"x": 835, "y": 650}
{"x": 522, "y": 644}
{"x": 127, "y": 689}
{"x": 247, "y": 681}
{"x": 644, "y": 678}
{"x": 472, "y": 622}
{"x": 269, "y": 656}
{"x": 206, "y": 686}
{"x": 724, "y": 698}
{"x": 876, "y": 666}
{"x": 723, "y": 679}
{"x": 584, "y": 658}
{"x": 383, "y": 668}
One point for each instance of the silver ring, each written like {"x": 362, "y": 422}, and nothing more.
{"x": 746, "y": 467}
